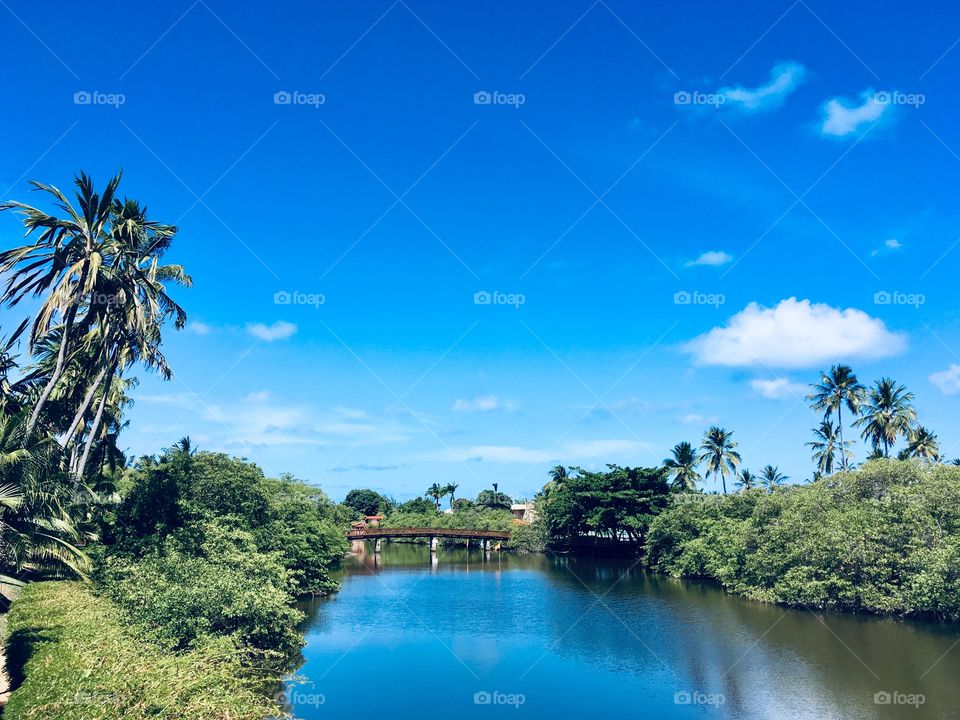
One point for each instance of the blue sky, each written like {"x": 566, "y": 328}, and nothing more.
{"x": 679, "y": 213}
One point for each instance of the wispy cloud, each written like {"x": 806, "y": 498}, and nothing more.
{"x": 280, "y": 330}
{"x": 482, "y": 403}
{"x": 609, "y": 449}
{"x": 948, "y": 381}
{"x": 711, "y": 258}
{"x": 695, "y": 419}
{"x": 366, "y": 468}
{"x": 778, "y": 388}
{"x": 199, "y": 328}
{"x": 795, "y": 333}
{"x": 841, "y": 118}
{"x": 784, "y": 79}
{"x": 889, "y": 246}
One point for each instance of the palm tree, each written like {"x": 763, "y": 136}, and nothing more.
{"x": 827, "y": 446}
{"x": 887, "y": 414}
{"x": 436, "y": 491}
{"x": 682, "y": 467}
{"x": 923, "y": 444}
{"x": 772, "y": 476}
{"x": 746, "y": 479}
{"x": 450, "y": 490}
{"x": 836, "y": 389}
{"x": 718, "y": 451}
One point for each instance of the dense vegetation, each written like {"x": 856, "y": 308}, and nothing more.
{"x": 883, "y": 538}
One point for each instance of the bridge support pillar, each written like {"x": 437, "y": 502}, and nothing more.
{"x": 433, "y": 545}
{"x": 376, "y": 546}
{"x": 486, "y": 546}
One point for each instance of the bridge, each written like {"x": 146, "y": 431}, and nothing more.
{"x": 385, "y": 533}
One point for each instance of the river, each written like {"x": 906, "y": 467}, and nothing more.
{"x": 562, "y": 637}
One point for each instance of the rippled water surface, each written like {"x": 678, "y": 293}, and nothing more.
{"x": 458, "y": 635}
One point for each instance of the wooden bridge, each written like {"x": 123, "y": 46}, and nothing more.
{"x": 385, "y": 533}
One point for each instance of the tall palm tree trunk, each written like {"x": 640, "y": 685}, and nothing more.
{"x": 55, "y": 376}
{"x": 78, "y": 418}
{"x": 98, "y": 418}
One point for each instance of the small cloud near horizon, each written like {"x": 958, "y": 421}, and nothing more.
{"x": 279, "y": 330}
{"x": 711, "y": 258}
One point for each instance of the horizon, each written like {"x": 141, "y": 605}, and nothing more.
{"x": 435, "y": 244}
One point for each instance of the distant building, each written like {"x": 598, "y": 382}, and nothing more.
{"x": 372, "y": 520}
{"x": 524, "y": 512}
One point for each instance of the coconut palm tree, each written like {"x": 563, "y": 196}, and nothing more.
{"x": 682, "y": 467}
{"x": 746, "y": 479}
{"x": 923, "y": 444}
{"x": 437, "y": 492}
{"x": 451, "y": 489}
{"x": 887, "y": 414}
{"x": 719, "y": 453}
{"x": 827, "y": 446}
{"x": 837, "y": 389}
{"x": 771, "y": 477}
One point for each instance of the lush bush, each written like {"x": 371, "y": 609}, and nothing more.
{"x": 181, "y": 595}
{"x": 528, "y": 538}
{"x": 367, "y": 502}
{"x": 473, "y": 518}
{"x": 78, "y": 661}
{"x": 884, "y": 538}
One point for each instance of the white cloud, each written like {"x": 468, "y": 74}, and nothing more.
{"x": 795, "y": 333}
{"x": 778, "y": 388}
{"x": 259, "y": 396}
{"x": 694, "y": 419}
{"x": 712, "y": 258}
{"x": 784, "y": 79}
{"x": 611, "y": 450}
{"x": 840, "y": 118}
{"x": 199, "y": 328}
{"x": 280, "y": 330}
{"x": 482, "y": 403}
{"x": 948, "y": 380}
{"x": 889, "y": 246}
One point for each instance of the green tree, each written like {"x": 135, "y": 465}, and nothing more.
{"x": 746, "y": 479}
{"x": 923, "y": 444}
{"x": 887, "y": 414}
{"x": 772, "y": 477}
{"x": 826, "y": 447}
{"x": 436, "y": 491}
{"x": 719, "y": 453}
{"x": 451, "y": 489}
{"x": 682, "y": 466}
{"x": 365, "y": 501}
{"x": 837, "y": 389}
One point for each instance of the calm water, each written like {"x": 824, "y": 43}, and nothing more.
{"x": 565, "y": 637}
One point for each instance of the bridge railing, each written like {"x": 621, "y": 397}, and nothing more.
{"x": 380, "y": 532}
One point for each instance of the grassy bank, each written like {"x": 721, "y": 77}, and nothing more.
{"x": 78, "y": 660}
{"x": 881, "y": 539}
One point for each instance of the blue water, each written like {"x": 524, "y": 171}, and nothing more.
{"x": 409, "y": 636}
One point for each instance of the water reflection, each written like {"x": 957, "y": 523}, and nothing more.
{"x": 420, "y": 635}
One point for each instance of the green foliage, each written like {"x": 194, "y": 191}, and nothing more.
{"x": 83, "y": 663}
{"x": 528, "y": 538}
{"x": 367, "y": 502}
{"x": 472, "y": 518}
{"x": 883, "y": 538}
{"x": 488, "y": 498}
{"x": 618, "y": 503}
{"x": 420, "y": 506}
